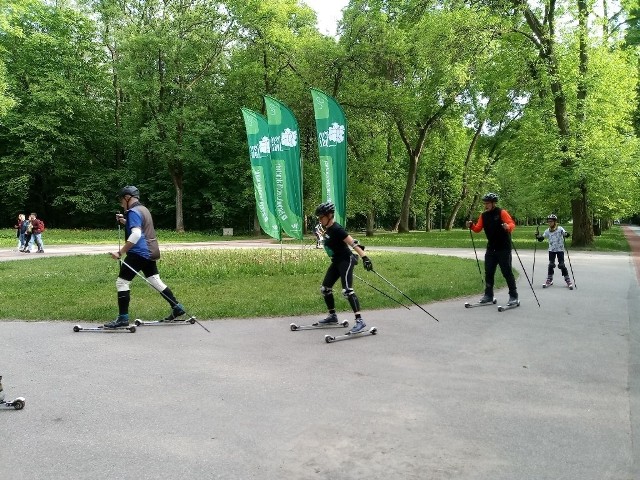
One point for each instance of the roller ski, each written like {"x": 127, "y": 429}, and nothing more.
{"x": 177, "y": 321}
{"x": 102, "y": 328}
{"x": 120, "y": 324}
{"x": 512, "y": 303}
{"x": 17, "y": 404}
{"x": 358, "y": 330}
{"x": 330, "y": 322}
{"x": 483, "y": 302}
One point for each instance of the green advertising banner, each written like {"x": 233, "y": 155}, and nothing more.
{"x": 287, "y": 166}
{"x": 261, "y": 170}
{"x": 331, "y": 125}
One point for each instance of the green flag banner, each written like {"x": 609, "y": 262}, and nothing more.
{"x": 261, "y": 170}
{"x": 331, "y": 125}
{"x": 287, "y": 166}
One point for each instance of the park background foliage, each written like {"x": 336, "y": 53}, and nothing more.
{"x": 445, "y": 100}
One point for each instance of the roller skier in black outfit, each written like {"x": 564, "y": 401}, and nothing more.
{"x": 336, "y": 242}
{"x": 497, "y": 225}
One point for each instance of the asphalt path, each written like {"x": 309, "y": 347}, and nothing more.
{"x": 548, "y": 392}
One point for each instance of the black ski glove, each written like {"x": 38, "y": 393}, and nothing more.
{"x": 539, "y": 237}
{"x": 567, "y": 234}
{"x": 367, "y": 263}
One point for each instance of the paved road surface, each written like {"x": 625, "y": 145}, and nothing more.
{"x": 533, "y": 393}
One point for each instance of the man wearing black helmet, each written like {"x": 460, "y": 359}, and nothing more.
{"x": 336, "y": 243}
{"x": 556, "y": 235}
{"x": 142, "y": 251}
{"x": 497, "y": 225}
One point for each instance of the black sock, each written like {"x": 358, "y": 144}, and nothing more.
{"x": 168, "y": 295}
{"x": 123, "y": 302}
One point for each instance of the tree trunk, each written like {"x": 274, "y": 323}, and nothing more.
{"x": 256, "y": 226}
{"x": 403, "y": 225}
{"x": 582, "y": 225}
{"x": 428, "y": 217}
{"x": 177, "y": 183}
{"x": 371, "y": 216}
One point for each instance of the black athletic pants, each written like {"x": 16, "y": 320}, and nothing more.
{"x": 493, "y": 258}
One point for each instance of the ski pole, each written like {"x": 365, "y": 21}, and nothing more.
{"x": 405, "y": 295}
{"x": 525, "y": 273}
{"x": 535, "y": 246}
{"x": 476, "y": 254}
{"x": 569, "y": 258}
{"x": 380, "y": 291}
{"x": 153, "y": 287}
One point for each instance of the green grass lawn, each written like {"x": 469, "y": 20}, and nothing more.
{"x": 224, "y": 284}
{"x": 242, "y": 283}
{"x": 523, "y": 238}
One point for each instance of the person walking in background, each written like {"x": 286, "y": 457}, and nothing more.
{"x": 141, "y": 250}
{"x": 497, "y": 225}
{"x": 35, "y": 229}
{"x": 26, "y": 234}
{"x": 19, "y": 231}
{"x": 556, "y": 235}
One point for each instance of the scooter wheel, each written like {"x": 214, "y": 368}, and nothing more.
{"x": 18, "y": 404}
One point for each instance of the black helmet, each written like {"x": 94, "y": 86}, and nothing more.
{"x": 552, "y": 217}
{"x": 129, "y": 190}
{"x": 490, "y": 197}
{"x": 325, "y": 208}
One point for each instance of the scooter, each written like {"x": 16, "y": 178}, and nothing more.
{"x": 18, "y": 403}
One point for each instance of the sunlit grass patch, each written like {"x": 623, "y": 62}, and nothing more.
{"x": 223, "y": 284}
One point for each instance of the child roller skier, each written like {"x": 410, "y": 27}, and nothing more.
{"x": 336, "y": 242}
{"x": 497, "y": 225}
{"x": 556, "y": 235}
{"x": 142, "y": 251}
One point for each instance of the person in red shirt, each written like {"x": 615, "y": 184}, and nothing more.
{"x": 497, "y": 225}
{"x": 34, "y": 234}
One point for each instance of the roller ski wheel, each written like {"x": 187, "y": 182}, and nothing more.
{"x": 349, "y": 335}
{"x": 17, "y": 404}
{"x": 508, "y": 307}
{"x": 102, "y": 328}
{"x": 317, "y": 326}
{"x": 479, "y": 304}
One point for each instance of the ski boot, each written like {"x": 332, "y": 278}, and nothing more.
{"x": 176, "y": 312}
{"x": 358, "y": 327}
{"x": 548, "y": 282}
{"x": 331, "y": 319}
{"x": 569, "y": 283}
{"x": 486, "y": 299}
{"x": 121, "y": 321}
{"x": 512, "y": 301}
